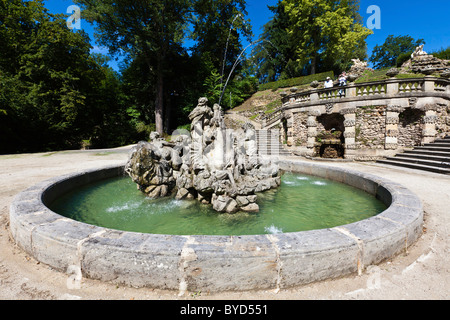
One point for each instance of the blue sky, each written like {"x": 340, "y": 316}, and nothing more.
{"x": 426, "y": 19}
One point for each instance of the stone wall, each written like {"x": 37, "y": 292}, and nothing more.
{"x": 410, "y": 128}
{"x": 380, "y": 119}
{"x": 370, "y": 127}
{"x": 300, "y": 130}
{"x": 376, "y": 131}
{"x": 443, "y": 121}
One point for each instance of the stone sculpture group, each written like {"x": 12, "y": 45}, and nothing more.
{"x": 212, "y": 164}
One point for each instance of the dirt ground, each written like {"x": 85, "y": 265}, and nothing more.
{"x": 423, "y": 272}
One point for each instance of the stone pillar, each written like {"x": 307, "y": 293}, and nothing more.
{"x": 392, "y": 121}
{"x": 429, "y": 128}
{"x": 392, "y": 87}
{"x": 428, "y": 84}
{"x": 350, "y": 132}
{"x": 350, "y": 91}
{"x": 314, "y": 96}
{"x": 290, "y": 129}
{"x": 312, "y": 130}
{"x": 264, "y": 123}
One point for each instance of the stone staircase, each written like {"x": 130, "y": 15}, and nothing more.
{"x": 434, "y": 157}
{"x": 269, "y": 143}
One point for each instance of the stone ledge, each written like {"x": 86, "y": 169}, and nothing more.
{"x": 215, "y": 263}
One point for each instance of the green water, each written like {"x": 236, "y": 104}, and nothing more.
{"x": 301, "y": 203}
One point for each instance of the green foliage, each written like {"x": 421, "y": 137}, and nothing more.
{"x": 376, "y": 75}
{"x": 163, "y": 80}
{"x": 273, "y": 106}
{"x": 327, "y": 34}
{"x": 54, "y": 93}
{"x": 296, "y": 81}
{"x": 217, "y": 26}
{"x": 386, "y": 55}
{"x": 380, "y": 74}
{"x": 442, "y": 54}
{"x": 410, "y": 75}
{"x": 148, "y": 29}
{"x": 402, "y": 58}
{"x": 213, "y": 87}
{"x": 274, "y": 54}
{"x": 241, "y": 89}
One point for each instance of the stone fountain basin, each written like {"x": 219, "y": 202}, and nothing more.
{"x": 215, "y": 263}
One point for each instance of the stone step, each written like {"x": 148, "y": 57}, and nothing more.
{"x": 278, "y": 151}
{"x": 269, "y": 143}
{"x": 415, "y": 166}
{"x": 425, "y": 157}
{"x": 274, "y": 154}
{"x": 434, "y": 147}
{"x": 272, "y": 148}
{"x": 439, "y": 144}
{"x": 432, "y": 163}
{"x": 429, "y": 152}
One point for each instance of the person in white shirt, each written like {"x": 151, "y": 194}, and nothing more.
{"x": 328, "y": 83}
{"x": 342, "y": 83}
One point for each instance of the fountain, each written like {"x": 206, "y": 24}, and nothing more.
{"x": 212, "y": 164}
{"x": 221, "y": 169}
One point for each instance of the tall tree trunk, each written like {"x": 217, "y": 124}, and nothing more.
{"x": 316, "y": 45}
{"x": 167, "y": 113}
{"x": 313, "y": 64}
{"x": 159, "y": 102}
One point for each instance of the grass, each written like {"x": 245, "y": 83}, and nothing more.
{"x": 378, "y": 75}
{"x": 369, "y": 76}
{"x": 273, "y": 106}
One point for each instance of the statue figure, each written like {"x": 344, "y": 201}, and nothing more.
{"x": 214, "y": 165}
{"x": 418, "y": 52}
{"x": 200, "y": 118}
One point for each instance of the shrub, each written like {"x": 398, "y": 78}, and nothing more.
{"x": 295, "y": 81}
{"x": 403, "y": 58}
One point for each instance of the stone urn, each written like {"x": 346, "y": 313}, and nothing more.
{"x": 392, "y": 72}
{"x": 294, "y": 89}
{"x": 352, "y": 77}
{"x": 283, "y": 94}
{"x": 314, "y": 84}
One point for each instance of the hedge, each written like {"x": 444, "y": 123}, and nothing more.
{"x": 296, "y": 81}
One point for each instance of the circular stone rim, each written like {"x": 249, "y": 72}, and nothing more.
{"x": 215, "y": 263}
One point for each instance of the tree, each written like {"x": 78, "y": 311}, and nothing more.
{"x": 53, "y": 91}
{"x": 386, "y": 55}
{"x": 442, "y": 53}
{"x": 327, "y": 32}
{"x": 147, "y": 28}
{"x": 217, "y": 25}
{"x": 275, "y": 54}
{"x": 217, "y": 29}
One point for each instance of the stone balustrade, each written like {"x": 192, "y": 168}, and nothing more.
{"x": 429, "y": 95}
